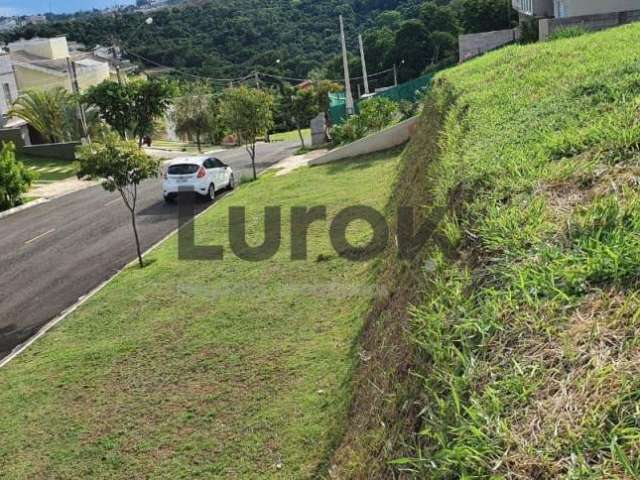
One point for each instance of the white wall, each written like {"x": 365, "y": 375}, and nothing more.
{"x": 575, "y": 8}
{"x": 51, "y": 48}
{"x": 391, "y": 137}
{"x": 8, "y": 87}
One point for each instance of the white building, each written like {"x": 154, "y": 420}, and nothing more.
{"x": 8, "y": 85}
{"x": 45, "y": 63}
{"x": 572, "y": 8}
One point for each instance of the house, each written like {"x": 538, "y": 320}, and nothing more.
{"x": 34, "y": 19}
{"x": 9, "y": 89}
{"x": 572, "y": 8}
{"x": 533, "y": 8}
{"x": 45, "y": 63}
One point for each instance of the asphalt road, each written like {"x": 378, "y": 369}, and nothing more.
{"x": 54, "y": 253}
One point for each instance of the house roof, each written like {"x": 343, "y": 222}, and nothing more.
{"x": 25, "y": 59}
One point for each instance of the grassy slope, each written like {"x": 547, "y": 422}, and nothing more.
{"x": 203, "y": 370}
{"x": 527, "y": 335}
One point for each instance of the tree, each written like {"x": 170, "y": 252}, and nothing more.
{"x": 121, "y": 166}
{"x": 132, "y": 107}
{"x": 439, "y": 18}
{"x": 484, "y": 15}
{"x": 303, "y": 106}
{"x": 195, "y": 115}
{"x": 248, "y": 112}
{"x": 51, "y": 112}
{"x": 113, "y": 101}
{"x": 151, "y": 98}
{"x": 15, "y": 178}
{"x": 413, "y": 47}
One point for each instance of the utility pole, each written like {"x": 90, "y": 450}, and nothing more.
{"x": 395, "y": 75}
{"x": 364, "y": 66}
{"x": 345, "y": 63}
{"x": 73, "y": 78}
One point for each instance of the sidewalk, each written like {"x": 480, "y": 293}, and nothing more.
{"x": 61, "y": 187}
{"x": 289, "y": 164}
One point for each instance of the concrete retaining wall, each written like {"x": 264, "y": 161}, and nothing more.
{"x": 19, "y": 136}
{"x": 589, "y": 22}
{"x": 65, "y": 151}
{"x": 384, "y": 140}
{"x": 475, "y": 44}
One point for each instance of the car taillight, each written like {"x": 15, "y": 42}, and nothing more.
{"x": 201, "y": 172}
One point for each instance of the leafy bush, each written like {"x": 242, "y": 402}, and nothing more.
{"x": 15, "y": 178}
{"x": 568, "y": 32}
{"x": 375, "y": 114}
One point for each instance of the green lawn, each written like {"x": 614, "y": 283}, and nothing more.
{"x": 204, "y": 369}
{"x": 292, "y": 136}
{"x": 48, "y": 169}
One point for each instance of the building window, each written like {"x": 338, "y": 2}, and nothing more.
{"x": 8, "y": 98}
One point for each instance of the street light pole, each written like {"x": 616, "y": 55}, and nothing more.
{"x": 345, "y": 64}
{"x": 364, "y": 66}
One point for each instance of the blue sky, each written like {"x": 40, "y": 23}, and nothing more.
{"x": 29, "y": 7}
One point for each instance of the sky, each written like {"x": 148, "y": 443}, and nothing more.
{"x": 9, "y": 8}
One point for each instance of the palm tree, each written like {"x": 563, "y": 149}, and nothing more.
{"x": 50, "y": 112}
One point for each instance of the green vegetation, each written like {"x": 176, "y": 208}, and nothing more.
{"x": 204, "y": 369}
{"x": 130, "y": 108}
{"x": 290, "y": 38}
{"x": 291, "y": 136}
{"x": 248, "y": 113}
{"x": 524, "y": 338}
{"x": 15, "y": 178}
{"x": 53, "y": 113}
{"x": 120, "y": 166}
{"x": 48, "y": 170}
{"x": 374, "y": 115}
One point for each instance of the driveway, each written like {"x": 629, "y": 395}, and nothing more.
{"x": 53, "y": 254}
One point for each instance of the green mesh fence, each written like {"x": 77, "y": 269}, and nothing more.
{"x": 409, "y": 91}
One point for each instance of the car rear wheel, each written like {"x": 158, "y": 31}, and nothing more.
{"x": 211, "y": 193}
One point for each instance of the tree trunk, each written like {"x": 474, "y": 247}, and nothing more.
{"x": 300, "y": 134}
{"x": 198, "y": 142}
{"x": 253, "y": 160}
{"x": 135, "y": 233}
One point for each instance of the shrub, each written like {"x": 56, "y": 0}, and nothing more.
{"x": 568, "y": 32}
{"x": 375, "y": 114}
{"x": 15, "y": 178}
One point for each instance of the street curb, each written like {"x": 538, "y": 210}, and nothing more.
{"x": 43, "y": 200}
{"x": 82, "y": 300}
{"x": 26, "y": 206}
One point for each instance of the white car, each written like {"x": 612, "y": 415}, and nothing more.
{"x": 203, "y": 175}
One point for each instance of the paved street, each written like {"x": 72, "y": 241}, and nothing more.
{"x": 55, "y": 253}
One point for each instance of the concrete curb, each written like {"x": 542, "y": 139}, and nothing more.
{"x": 43, "y": 200}
{"x": 390, "y": 137}
{"x": 26, "y": 206}
{"x": 48, "y": 326}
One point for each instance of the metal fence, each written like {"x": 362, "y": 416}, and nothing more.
{"x": 409, "y": 91}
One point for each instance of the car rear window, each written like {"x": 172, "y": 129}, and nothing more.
{"x": 183, "y": 169}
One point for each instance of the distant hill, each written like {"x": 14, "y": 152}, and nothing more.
{"x": 219, "y": 38}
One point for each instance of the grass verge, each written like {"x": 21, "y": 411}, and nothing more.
{"x": 292, "y": 136}
{"x": 227, "y": 369}
{"x": 49, "y": 170}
